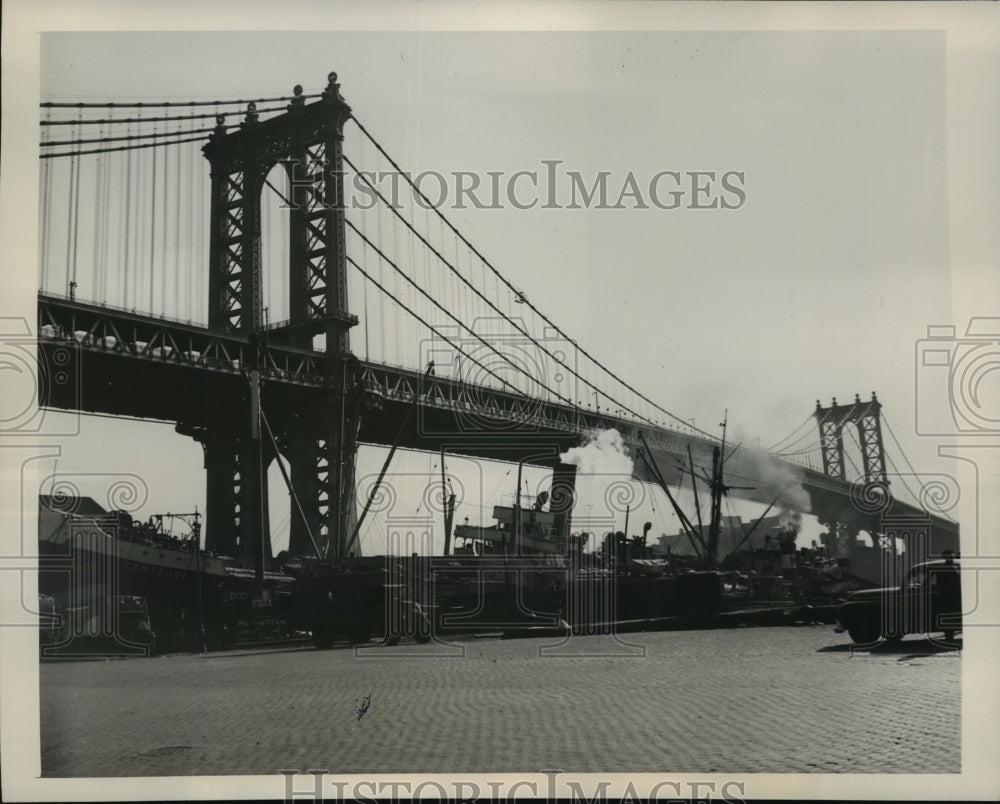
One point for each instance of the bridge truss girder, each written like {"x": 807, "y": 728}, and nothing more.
{"x": 124, "y": 374}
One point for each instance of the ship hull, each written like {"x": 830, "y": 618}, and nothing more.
{"x": 195, "y": 600}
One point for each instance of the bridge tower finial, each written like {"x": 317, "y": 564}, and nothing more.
{"x": 332, "y": 91}
{"x": 868, "y": 419}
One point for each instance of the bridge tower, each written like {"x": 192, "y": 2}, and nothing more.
{"x": 867, "y": 417}
{"x": 319, "y": 438}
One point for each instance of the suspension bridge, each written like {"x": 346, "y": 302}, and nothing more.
{"x": 202, "y": 260}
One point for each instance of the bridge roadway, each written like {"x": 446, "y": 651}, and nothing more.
{"x": 103, "y": 359}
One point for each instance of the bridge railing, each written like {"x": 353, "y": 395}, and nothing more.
{"x": 107, "y": 329}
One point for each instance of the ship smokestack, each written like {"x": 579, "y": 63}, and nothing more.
{"x": 562, "y": 496}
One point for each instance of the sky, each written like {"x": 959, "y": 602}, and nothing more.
{"x": 819, "y": 285}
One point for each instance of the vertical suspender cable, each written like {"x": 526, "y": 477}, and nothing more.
{"x": 42, "y": 226}
{"x": 383, "y": 339}
{"x": 106, "y": 198}
{"x": 152, "y": 232}
{"x": 428, "y": 272}
{"x": 459, "y": 296}
{"x": 364, "y": 252}
{"x": 364, "y": 262}
{"x": 192, "y": 252}
{"x": 43, "y": 220}
{"x": 126, "y": 267}
{"x": 76, "y": 218}
{"x": 69, "y": 220}
{"x": 177, "y": 231}
{"x": 101, "y": 225}
{"x": 165, "y": 226}
{"x": 98, "y": 274}
{"x": 395, "y": 287}
{"x": 74, "y": 175}
{"x": 461, "y": 300}
{"x": 139, "y": 236}
{"x": 413, "y": 270}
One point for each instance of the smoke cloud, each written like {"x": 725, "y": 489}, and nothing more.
{"x": 604, "y": 484}
{"x": 781, "y": 481}
{"x": 603, "y": 453}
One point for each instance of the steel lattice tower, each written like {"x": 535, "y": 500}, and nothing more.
{"x": 868, "y": 418}
{"x": 317, "y": 436}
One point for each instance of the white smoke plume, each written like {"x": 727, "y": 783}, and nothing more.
{"x": 602, "y": 453}
{"x": 781, "y": 481}
{"x": 604, "y": 486}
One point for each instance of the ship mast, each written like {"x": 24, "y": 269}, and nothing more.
{"x": 718, "y": 488}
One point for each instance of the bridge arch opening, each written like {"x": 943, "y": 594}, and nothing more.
{"x": 275, "y": 245}
{"x": 279, "y": 504}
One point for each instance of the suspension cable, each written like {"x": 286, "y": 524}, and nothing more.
{"x": 131, "y": 137}
{"x": 503, "y": 315}
{"x": 910, "y": 465}
{"x": 170, "y": 104}
{"x": 899, "y": 446}
{"x": 453, "y": 317}
{"x": 899, "y": 476}
{"x": 499, "y": 276}
{"x": 429, "y": 326}
{"x": 805, "y": 451}
{"x": 160, "y": 144}
{"x": 432, "y": 300}
{"x": 157, "y": 119}
{"x": 777, "y": 444}
{"x": 797, "y": 441}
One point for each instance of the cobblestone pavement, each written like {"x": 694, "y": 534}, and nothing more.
{"x": 739, "y": 700}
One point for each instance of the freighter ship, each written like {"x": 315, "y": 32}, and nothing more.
{"x": 196, "y": 600}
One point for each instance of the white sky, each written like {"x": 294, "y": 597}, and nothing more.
{"x": 818, "y": 286}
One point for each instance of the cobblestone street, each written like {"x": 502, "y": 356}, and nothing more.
{"x": 747, "y": 700}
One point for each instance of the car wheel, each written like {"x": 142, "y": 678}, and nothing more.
{"x": 359, "y": 636}
{"x": 423, "y": 629}
{"x": 863, "y": 633}
{"x": 893, "y": 638}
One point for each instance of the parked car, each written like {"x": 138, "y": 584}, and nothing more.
{"x": 114, "y": 625}
{"x": 928, "y": 601}
{"x": 355, "y": 606}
